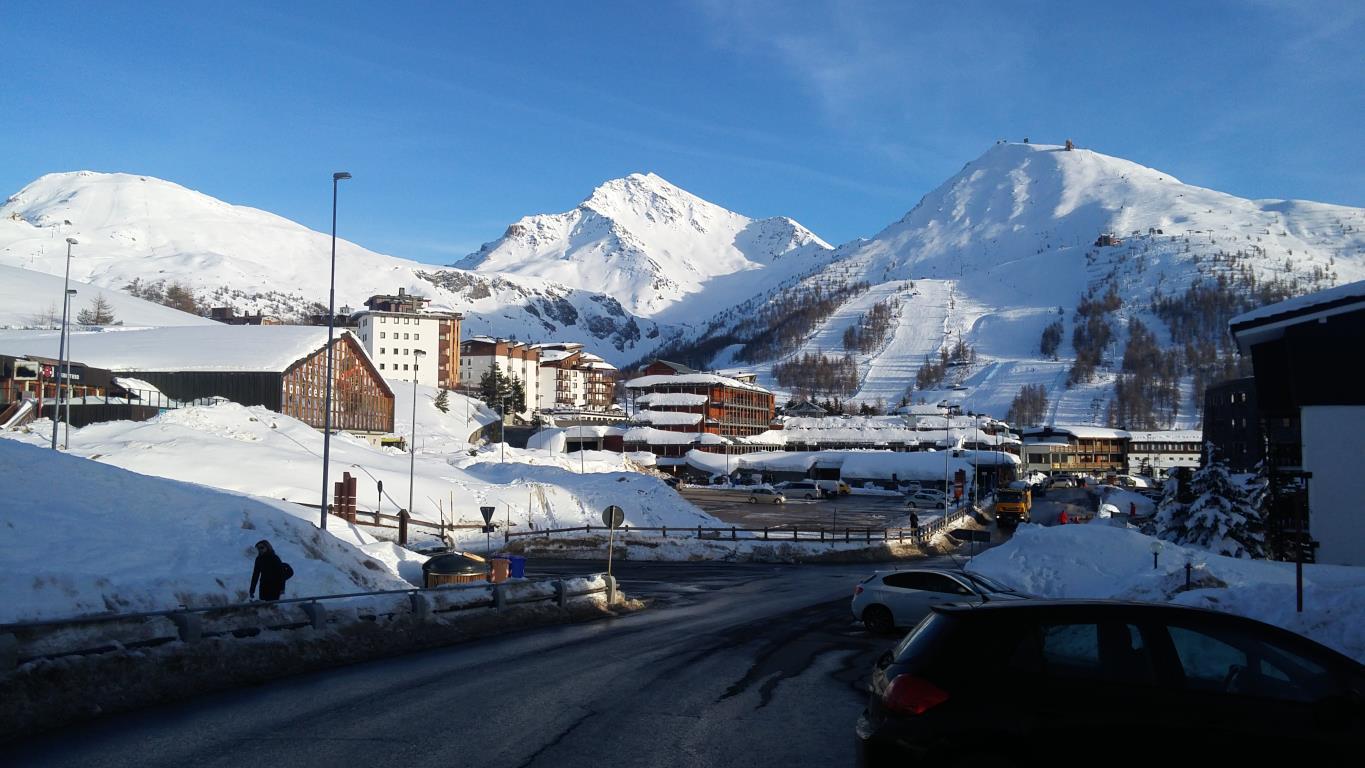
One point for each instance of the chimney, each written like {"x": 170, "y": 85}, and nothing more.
{"x": 400, "y": 291}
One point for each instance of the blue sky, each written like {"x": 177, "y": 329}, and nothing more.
{"x": 458, "y": 118}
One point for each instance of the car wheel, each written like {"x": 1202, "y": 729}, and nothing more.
{"x": 877, "y": 618}
{"x": 810, "y": 497}
{"x": 942, "y": 506}
{"x": 753, "y": 500}
{"x": 777, "y": 501}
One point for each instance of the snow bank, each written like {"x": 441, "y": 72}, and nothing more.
{"x": 257, "y": 451}
{"x": 85, "y": 537}
{"x": 1101, "y": 561}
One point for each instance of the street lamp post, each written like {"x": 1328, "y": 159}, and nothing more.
{"x": 66, "y": 379}
{"x": 412, "y": 447}
{"x": 331, "y": 321}
{"x": 61, "y": 345}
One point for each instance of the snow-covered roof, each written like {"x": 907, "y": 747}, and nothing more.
{"x": 553, "y": 355}
{"x": 666, "y": 417}
{"x": 1351, "y": 294}
{"x": 864, "y": 465}
{"x": 1083, "y": 432}
{"x": 671, "y": 398}
{"x": 652, "y": 436}
{"x": 256, "y": 348}
{"x": 691, "y": 379}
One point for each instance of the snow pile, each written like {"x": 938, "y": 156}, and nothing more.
{"x": 89, "y": 538}
{"x": 257, "y": 451}
{"x": 1101, "y": 561}
{"x": 30, "y": 299}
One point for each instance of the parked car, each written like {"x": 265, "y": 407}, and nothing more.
{"x": 834, "y": 487}
{"x": 926, "y": 500}
{"x": 889, "y": 599}
{"x": 1062, "y": 481}
{"x": 764, "y": 495}
{"x": 1060, "y": 682}
{"x": 800, "y": 489}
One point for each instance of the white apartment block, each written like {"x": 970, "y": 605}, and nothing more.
{"x": 396, "y": 328}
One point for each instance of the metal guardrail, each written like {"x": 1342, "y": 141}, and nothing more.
{"x": 21, "y": 642}
{"x": 812, "y": 535}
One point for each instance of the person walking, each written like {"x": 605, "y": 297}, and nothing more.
{"x": 269, "y": 572}
{"x": 1132, "y": 509}
{"x": 914, "y": 525}
{"x": 1062, "y": 518}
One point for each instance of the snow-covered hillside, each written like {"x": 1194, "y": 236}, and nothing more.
{"x": 256, "y": 451}
{"x": 1009, "y": 246}
{"x": 152, "y": 231}
{"x": 30, "y": 299}
{"x": 649, "y": 244}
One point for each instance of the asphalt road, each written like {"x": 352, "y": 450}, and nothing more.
{"x": 734, "y": 665}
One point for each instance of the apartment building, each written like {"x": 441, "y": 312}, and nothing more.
{"x": 395, "y": 328}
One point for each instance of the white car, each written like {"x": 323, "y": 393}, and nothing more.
{"x": 765, "y": 496}
{"x": 889, "y": 599}
{"x": 801, "y": 489}
{"x": 926, "y": 500}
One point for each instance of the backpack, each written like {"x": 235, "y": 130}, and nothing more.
{"x": 286, "y": 571}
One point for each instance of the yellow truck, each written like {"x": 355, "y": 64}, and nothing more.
{"x": 1013, "y": 504}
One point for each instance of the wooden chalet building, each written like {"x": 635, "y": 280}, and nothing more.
{"x": 1084, "y": 449}
{"x": 282, "y": 368}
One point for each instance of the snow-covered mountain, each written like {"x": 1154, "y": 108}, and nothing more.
{"x": 1009, "y": 246}
{"x": 650, "y": 244}
{"x": 137, "y": 228}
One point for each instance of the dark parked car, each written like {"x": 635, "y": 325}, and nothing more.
{"x": 1053, "y": 682}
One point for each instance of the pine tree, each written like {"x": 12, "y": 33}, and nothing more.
{"x": 1220, "y": 518}
{"x": 101, "y": 312}
{"x": 1172, "y": 511}
{"x": 443, "y": 401}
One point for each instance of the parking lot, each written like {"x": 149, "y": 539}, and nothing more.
{"x": 851, "y": 511}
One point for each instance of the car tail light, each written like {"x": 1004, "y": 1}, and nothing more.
{"x": 910, "y": 695}
{"x": 858, "y": 589}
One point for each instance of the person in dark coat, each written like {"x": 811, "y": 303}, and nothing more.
{"x": 269, "y": 571}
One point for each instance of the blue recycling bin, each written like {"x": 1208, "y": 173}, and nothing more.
{"x": 517, "y": 566}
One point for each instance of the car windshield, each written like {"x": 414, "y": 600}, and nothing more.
{"x": 990, "y": 584}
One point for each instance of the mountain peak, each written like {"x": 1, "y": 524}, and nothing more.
{"x": 648, "y": 242}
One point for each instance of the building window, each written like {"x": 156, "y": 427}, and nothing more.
{"x": 381, "y": 334}
{"x": 405, "y": 335}
{"x": 416, "y": 337}
{"x": 383, "y": 319}
{"x": 405, "y": 351}
{"x": 405, "y": 366}
{"x": 381, "y": 366}
{"x": 381, "y": 350}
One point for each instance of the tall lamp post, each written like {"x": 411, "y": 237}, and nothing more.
{"x": 331, "y": 321}
{"x": 66, "y": 379}
{"x": 61, "y": 345}
{"x": 412, "y": 448}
